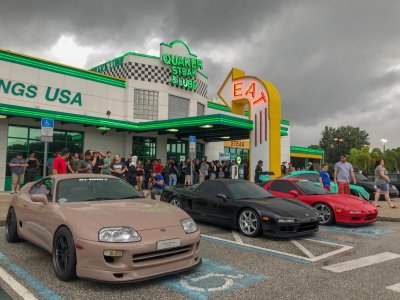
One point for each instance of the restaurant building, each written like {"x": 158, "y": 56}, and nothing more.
{"x": 136, "y": 103}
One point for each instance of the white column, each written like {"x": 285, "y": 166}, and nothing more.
{"x": 3, "y": 151}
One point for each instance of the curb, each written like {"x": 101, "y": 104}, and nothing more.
{"x": 385, "y": 219}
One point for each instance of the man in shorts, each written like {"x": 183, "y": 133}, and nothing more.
{"x": 343, "y": 172}
{"x": 17, "y": 167}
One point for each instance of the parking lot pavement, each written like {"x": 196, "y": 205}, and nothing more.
{"x": 336, "y": 263}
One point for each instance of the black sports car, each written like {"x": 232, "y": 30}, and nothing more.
{"x": 245, "y": 206}
{"x": 370, "y": 186}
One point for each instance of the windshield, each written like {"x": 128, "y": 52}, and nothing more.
{"x": 95, "y": 188}
{"x": 360, "y": 177}
{"x": 310, "y": 188}
{"x": 247, "y": 190}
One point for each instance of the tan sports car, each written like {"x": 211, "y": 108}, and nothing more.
{"x": 100, "y": 227}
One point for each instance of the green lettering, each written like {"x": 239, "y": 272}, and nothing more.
{"x": 19, "y": 92}
{"x": 5, "y": 88}
{"x": 190, "y": 84}
{"x": 199, "y": 64}
{"x": 187, "y": 62}
{"x": 31, "y": 91}
{"x": 77, "y": 99}
{"x": 166, "y": 58}
{"x": 174, "y": 60}
{"x": 184, "y": 72}
{"x": 64, "y": 96}
{"x": 48, "y": 98}
{"x": 193, "y": 63}
{"x": 180, "y": 60}
{"x": 194, "y": 85}
{"x": 174, "y": 70}
{"x": 174, "y": 80}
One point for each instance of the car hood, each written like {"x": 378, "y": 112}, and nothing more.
{"x": 141, "y": 214}
{"x": 283, "y": 207}
{"x": 343, "y": 200}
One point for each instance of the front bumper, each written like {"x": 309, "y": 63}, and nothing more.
{"x": 139, "y": 260}
{"x": 304, "y": 227}
{"x": 364, "y": 218}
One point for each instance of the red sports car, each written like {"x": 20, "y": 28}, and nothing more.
{"x": 337, "y": 208}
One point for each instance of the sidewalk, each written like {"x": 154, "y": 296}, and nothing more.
{"x": 385, "y": 213}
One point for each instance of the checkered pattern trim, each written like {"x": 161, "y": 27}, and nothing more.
{"x": 150, "y": 73}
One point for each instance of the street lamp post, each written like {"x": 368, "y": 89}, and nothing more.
{"x": 384, "y": 141}
{"x": 338, "y": 140}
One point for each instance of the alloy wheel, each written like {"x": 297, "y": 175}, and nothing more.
{"x": 248, "y": 222}
{"x": 62, "y": 253}
{"x": 176, "y": 202}
{"x": 325, "y": 213}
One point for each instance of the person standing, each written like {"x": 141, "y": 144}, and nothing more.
{"x": 283, "y": 168}
{"x": 196, "y": 171}
{"x": 73, "y": 163}
{"x": 130, "y": 170}
{"x": 203, "y": 170}
{"x": 97, "y": 162}
{"x": 50, "y": 162}
{"x": 342, "y": 175}
{"x": 158, "y": 167}
{"x": 118, "y": 168}
{"x": 188, "y": 172}
{"x": 172, "y": 172}
{"x": 86, "y": 166}
{"x": 17, "y": 167}
{"x": 139, "y": 175}
{"x": 107, "y": 162}
{"x": 60, "y": 163}
{"x": 147, "y": 172}
{"x": 324, "y": 178}
{"x": 258, "y": 171}
{"x": 382, "y": 183}
{"x": 33, "y": 166}
{"x": 310, "y": 166}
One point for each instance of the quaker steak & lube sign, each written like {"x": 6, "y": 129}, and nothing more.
{"x": 184, "y": 69}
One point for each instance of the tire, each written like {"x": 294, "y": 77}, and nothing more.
{"x": 326, "y": 212}
{"x": 64, "y": 255}
{"x": 176, "y": 202}
{"x": 249, "y": 222}
{"x": 11, "y": 230}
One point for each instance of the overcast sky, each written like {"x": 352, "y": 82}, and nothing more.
{"x": 334, "y": 62}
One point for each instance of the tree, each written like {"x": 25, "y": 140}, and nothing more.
{"x": 314, "y": 147}
{"x": 338, "y": 141}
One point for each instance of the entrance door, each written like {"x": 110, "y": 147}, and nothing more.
{"x": 177, "y": 150}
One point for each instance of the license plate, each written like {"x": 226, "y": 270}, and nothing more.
{"x": 166, "y": 244}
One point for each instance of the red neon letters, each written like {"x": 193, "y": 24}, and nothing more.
{"x": 252, "y": 92}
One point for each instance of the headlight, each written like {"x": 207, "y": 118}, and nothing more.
{"x": 189, "y": 225}
{"x": 286, "y": 220}
{"x": 119, "y": 235}
{"x": 355, "y": 212}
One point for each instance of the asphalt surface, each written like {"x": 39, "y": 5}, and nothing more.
{"x": 237, "y": 267}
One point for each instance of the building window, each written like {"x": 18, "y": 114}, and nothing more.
{"x": 145, "y": 105}
{"x": 177, "y": 107}
{"x": 200, "y": 109}
{"x": 243, "y": 153}
{"x": 25, "y": 139}
{"x": 177, "y": 150}
{"x": 144, "y": 148}
{"x": 199, "y": 150}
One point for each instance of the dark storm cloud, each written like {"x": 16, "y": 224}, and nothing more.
{"x": 334, "y": 62}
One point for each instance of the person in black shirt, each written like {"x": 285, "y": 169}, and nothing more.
{"x": 258, "y": 171}
{"x": 148, "y": 168}
{"x": 172, "y": 172}
{"x": 196, "y": 171}
{"x": 97, "y": 163}
{"x": 131, "y": 170}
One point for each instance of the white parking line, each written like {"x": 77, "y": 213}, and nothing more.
{"x": 361, "y": 262}
{"x": 16, "y": 286}
{"x": 303, "y": 249}
{"x": 394, "y": 287}
{"x": 237, "y": 237}
{"x": 311, "y": 258}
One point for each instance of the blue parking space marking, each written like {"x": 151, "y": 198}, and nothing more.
{"x": 27, "y": 279}
{"x": 363, "y": 231}
{"x": 212, "y": 279}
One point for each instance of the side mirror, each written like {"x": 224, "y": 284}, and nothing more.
{"x": 294, "y": 193}
{"x": 39, "y": 198}
{"x": 223, "y": 197}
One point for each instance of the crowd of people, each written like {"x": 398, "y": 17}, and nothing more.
{"x": 149, "y": 174}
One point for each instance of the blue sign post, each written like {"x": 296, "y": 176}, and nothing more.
{"x": 47, "y": 128}
{"x": 192, "y": 147}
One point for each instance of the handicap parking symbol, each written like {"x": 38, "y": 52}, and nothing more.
{"x": 212, "y": 278}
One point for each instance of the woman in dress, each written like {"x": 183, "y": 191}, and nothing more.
{"x": 33, "y": 165}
